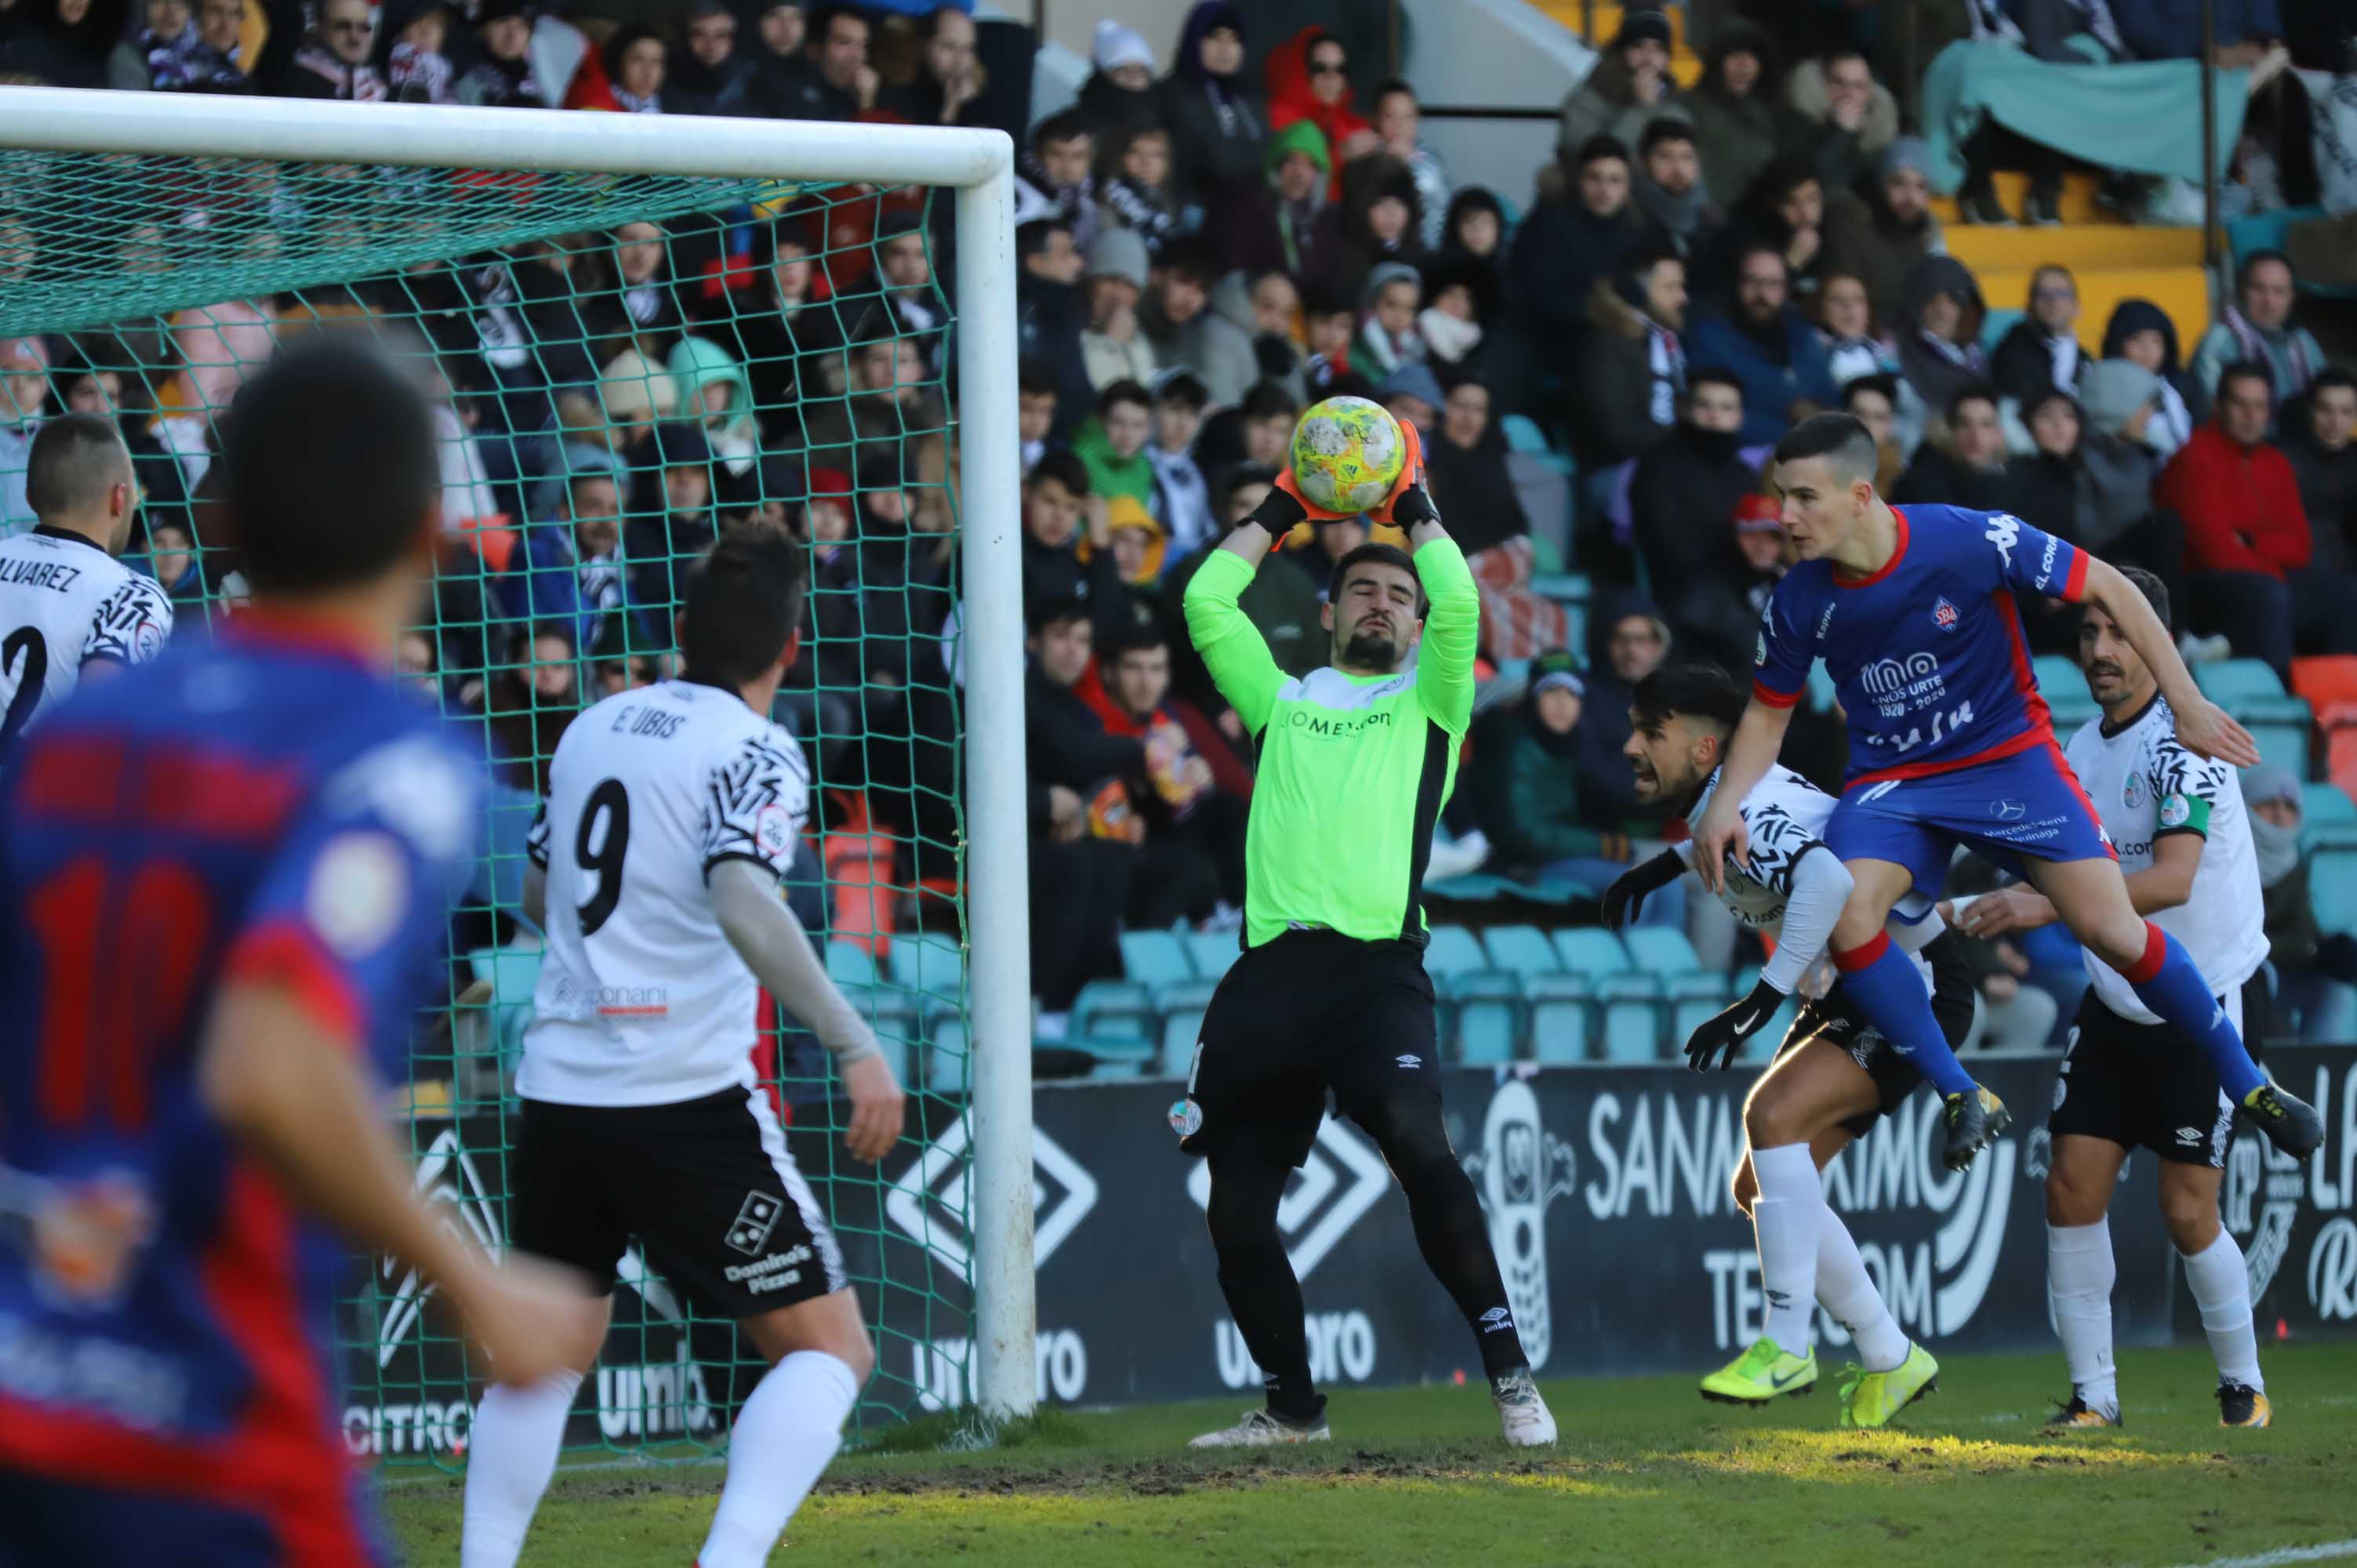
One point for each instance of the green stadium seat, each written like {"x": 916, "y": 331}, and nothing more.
{"x": 2057, "y": 678}
{"x": 1181, "y": 1007}
{"x": 512, "y": 972}
{"x": 2332, "y": 876}
{"x": 1488, "y": 1015}
{"x": 1212, "y": 952}
{"x": 2247, "y": 687}
{"x": 1115, "y": 1021}
{"x": 890, "y": 1011}
{"x": 1521, "y": 950}
{"x": 1661, "y": 950}
{"x": 1453, "y": 950}
{"x": 1155, "y": 957}
{"x": 1695, "y": 999}
{"x": 1631, "y": 1008}
{"x": 2229, "y": 681}
{"x": 1562, "y": 1018}
{"x": 1591, "y": 951}
{"x": 2326, "y": 804}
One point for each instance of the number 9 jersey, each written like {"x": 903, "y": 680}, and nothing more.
{"x": 641, "y": 1000}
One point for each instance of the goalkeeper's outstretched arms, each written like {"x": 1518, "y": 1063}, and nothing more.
{"x": 1232, "y": 648}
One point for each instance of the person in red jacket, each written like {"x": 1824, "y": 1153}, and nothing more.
{"x": 2248, "y": 552}
{"x": 1310, "y": 79}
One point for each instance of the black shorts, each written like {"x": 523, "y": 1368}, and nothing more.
{"x": 1309, "y": 1012}
{"x": 1836, "y": 1020}
{"x": 2146, "y": 1084}
{"x": 705, "y": 1186}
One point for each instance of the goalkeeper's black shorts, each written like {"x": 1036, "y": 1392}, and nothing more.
{"x": 1307, "y": 1013}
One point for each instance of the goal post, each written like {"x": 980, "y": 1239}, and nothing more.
{"x": 97, "y": 131}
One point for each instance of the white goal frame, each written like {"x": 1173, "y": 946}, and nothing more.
{"x": 980, "y": 166}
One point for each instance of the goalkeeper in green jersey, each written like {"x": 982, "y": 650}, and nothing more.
{"x": 1331, "y": 993}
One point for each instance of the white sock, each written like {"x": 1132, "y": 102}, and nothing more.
{"x": 2079, "y": 1275}
{"x": 2221, "y": 1289}
{"x": 511, "y": 1454}
{"x": 1847, "y": 1292}
{"x": 781, "y": 1442}
{"x": 1785, "y": 1219}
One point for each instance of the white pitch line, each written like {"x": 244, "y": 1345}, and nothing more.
{"x": 2325, "y": 1551}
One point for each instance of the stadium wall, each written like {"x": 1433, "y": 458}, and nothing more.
{"x": 1607, "y": 1191}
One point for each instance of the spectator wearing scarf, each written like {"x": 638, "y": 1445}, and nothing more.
{"x": 504, "y": 76}
{"x": 330, "y": 60}
{"x": 1218, "y": 128}
{"x": 2258, "y": 326}
{"x": 2141, "y": 333}
{"x": 413, "y": 44}
{"x": 1939, "y": 364}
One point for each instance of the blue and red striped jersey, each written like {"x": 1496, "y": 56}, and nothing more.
{"x": 259, "y": 806}
{"x": 1927, "y": 654}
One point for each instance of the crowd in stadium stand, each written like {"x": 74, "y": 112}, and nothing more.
{"x": 1597, "y": 361}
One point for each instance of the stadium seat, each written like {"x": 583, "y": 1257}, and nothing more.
{"x": 890, "y": 1011}
{"x": 508, "y": 817}
{"x": 2332, "y": 878}
{"x": 1453, "y": 951}
{"x": 931, "y": 969}
{"x": 1694, "y": 998}
{"x": 1562, "y": 1018}
{"x": 1631, "y": 1008}
{"x": 1521, "y": 950}
{"x": 1115, "y": 1021}
{"x": 1212, "y": 952}
{"x": 1661, "y": 950}
{"x": 2324, "y": 805}
{"x": 2057, "y": 678}
{"x": 1155, "y": 957}
{"x": 1591, "y": 951}
{"x": 2325, "y": 678}
{"x": 2328, "y": 683}
{"x": 1181, "y": 1007}
{"x": 2247, "y": 687}
{"x": 1488, "y": 1015}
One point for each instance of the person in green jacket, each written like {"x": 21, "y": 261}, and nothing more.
{"x": 1331, "y": 993}
{"x": 1111, "y": 443}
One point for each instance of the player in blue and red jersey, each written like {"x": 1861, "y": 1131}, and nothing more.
{"x": 224, "y": 879}
{"x": 1950, "y": 743}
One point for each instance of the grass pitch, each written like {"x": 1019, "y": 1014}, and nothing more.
{"x": 1646, "y": 1472}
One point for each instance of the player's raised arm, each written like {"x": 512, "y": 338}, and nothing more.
{"x": 2204, "y": 727}
{"x": 1749, "y": 753}
{"x": 1232, "y": 648}
{"x": 1452, "y": 624}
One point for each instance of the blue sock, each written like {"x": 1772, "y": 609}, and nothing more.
{"x": 1888, "y": 989}
{"x": 2167, "y": 981}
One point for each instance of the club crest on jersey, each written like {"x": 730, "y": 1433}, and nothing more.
{"x": 2175, "y": 812}
{"x": 1945, "y": 614}
{"x": 2132, "y": 792}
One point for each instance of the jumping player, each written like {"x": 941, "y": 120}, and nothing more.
{"x": 1331, "y": 993}
{"x": 1951, "y": 744}
{"x": 1834, "y": 1076}
{"x": 2185, "y": 844}
{"x": 224, "y": 879}
{"x": 673, "y": 813}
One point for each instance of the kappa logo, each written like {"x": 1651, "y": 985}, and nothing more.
{"x": 1824, "y": 621}
{"x": 1342, "y": 1178}
{"x": 756, "y": 1218}
{"x": 1945, "y": 614}
{"x": 931, "y": 1198}
{"x": 2005, "y": 532}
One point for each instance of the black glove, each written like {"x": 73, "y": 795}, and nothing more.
{"x": 1279, "y": 513}
{"x": 1414, "y": 506}
{"x": 1723, "y": 1036}
{"x": 1627, "y": 894}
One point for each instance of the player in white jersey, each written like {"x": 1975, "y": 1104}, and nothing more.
{"x": 66, "y": 606}
{"x": 674, "y": 812}
{"x": 1834, "y": 1076}
{"x": 2184, "y": 842}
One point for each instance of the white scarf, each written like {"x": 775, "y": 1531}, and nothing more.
{"x": 1448, "y": 337}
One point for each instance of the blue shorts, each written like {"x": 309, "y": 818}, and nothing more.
{"x": 45, "y": 1522}
{"x": 2026, "y": 806}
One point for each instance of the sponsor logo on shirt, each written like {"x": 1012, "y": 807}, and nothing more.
{"x": 756, "y": 1218}
{"x": 1761, "y": 656}
{"x": 1332, "y": 726}
{"x": 2046, "y": 561}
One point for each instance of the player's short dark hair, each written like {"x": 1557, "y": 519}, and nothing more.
{"x": 741, "y": 605}
{"x": 1842, "y": 439}
{"x": 2247, "y": 371}
{"x": 1881, "y": 382}
{"x": 1690, "y": 688}
{"x": 1064, "y": 469}
{"x": 1665, "y": 128}
{"x": 1971, "y": 391}
{"x": 2155, "y": 592}
{"x": 1372, "y": 552}
{"x": 331, "y": 470}
{"x": 1125, "y": 391}
{"x": 75, "y": 460}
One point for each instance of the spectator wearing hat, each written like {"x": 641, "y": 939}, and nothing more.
{"x": 1280, "y": 229}
{"x": 2041, "y": 352}
{"x": 1666, "y": 184}
{"x": 712, "y": 75}
{"x": 1682, "y": 503}
{"x": 503, "y": 74}
{"x": 1740, "y": 123}
{"x": 2259, "y": 329}
{"x": 1114, "y": 346}
{"x": 1118, "y": 97}
{"x": 2320, "y": 439}
{"x": 1564, "y": 246}
{"x": 2141, "y": 333}
{"x": 1111, "y": 443}
{"x": 1473, "y": 240}
{"x": 1767, "y": 551}
{"x": 1456, "y": 317}
{"x": 2116, "y": 470}
{"x": 1880, "y": 234}
{"x": 2250, "y": 557}
{"x": 1525, "y": 778}
{"x": 1181, "y": 498}
{"x": 1184, "y": 332}
{"x": 1388, "y": 303}
{"x": 1939, "y": 330}
{"x": 1057, "y": 178}
{"x": 1218, "y": 122}
{"x": 1628, "y": 379}
{"x": 1775, "y": 355}
{"x": 1412, "y": 395}
{"x": 1308, "y": 78}
{"x": 1628, "y": 86}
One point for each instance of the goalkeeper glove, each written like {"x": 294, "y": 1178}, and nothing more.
{"x": 1723, "y": 1036}
{"x": 1627, "y": 894}
{"x": 1281, "y": 511}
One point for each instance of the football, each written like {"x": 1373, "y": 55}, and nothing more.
{"x": 1347, "y": 453}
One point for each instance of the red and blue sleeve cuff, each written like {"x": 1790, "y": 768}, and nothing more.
{"x": 2074, "y": 586}
{"x": 284, "y": 953}
{"x": 1763, "y": 693}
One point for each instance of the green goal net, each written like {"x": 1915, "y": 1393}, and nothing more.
{"x": 624, "y": 368}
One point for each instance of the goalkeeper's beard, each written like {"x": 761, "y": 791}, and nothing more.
{"x": 1371, "y": 651}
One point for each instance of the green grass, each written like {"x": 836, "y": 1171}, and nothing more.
{"x": 1646, "y": 1473}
